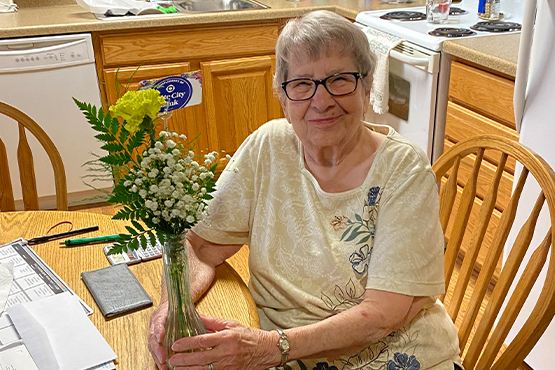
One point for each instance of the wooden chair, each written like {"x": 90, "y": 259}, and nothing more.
{"x": 480, "y": 280}
{"x": 26, "y": 166}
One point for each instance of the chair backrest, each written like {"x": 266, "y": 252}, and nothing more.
{"x": 476, "y": 231}
{"x": 26, "y": 166}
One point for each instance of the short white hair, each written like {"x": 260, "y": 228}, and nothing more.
{"x": 316, "y": 34}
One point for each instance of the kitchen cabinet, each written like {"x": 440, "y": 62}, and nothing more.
{"x": 480, "y": 102}
{"x": 237, "y": 63}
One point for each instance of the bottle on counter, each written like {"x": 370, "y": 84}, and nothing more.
{"x": 489, "y": 10}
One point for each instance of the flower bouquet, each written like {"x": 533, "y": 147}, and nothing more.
{"x": 163, "y": 191}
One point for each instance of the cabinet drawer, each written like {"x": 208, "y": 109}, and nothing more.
{"x": 178, "y": 44}
{"x": 463, "y": 123}
{"x": 483, "y": 92}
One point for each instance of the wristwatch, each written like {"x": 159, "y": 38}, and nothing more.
{"x": 283, "y": 346}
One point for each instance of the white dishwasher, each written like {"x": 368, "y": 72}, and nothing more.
{"x": 39, "y": 76}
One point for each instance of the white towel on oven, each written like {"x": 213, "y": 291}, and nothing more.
{"x": 381, "y": 44}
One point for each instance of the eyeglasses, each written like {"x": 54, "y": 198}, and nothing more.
{"x": 339, "y": 84}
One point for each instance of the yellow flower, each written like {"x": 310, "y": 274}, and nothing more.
{"x": 134, "y": 106}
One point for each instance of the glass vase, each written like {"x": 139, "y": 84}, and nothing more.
{"x": 183, "y": 319}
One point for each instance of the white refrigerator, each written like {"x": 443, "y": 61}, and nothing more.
{"x": 534, "y": 102}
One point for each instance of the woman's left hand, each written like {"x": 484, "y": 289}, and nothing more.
{"x": 227, "y": 346}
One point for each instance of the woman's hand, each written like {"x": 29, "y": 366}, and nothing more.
{"x": 227, "y": 346}
{"x": 156, "y": 335}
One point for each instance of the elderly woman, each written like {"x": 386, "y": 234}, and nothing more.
{"x": 341, "y": 218}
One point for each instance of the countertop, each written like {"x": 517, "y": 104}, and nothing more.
{"x": 60, "y": 17}
{"x": 51, "y": 17}
{"x": 499, "y": 53}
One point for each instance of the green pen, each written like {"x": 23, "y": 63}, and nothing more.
{"x": 98, "y": 239}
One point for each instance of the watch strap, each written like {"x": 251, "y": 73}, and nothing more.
{"x": 283, "y": 346}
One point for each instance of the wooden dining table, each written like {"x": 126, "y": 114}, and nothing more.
{"x": 228, "y": 297}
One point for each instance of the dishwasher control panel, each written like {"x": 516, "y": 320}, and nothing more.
{"x": 33, "y": 54}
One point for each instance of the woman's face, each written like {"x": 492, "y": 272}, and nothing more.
{"x": 325, "y": 120}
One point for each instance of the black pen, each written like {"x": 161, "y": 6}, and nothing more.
{"x": 47, "y": 238}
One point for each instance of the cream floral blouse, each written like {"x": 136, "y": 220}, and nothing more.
{"x": 313, "y": 254}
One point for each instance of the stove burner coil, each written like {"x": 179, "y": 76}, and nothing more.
{"x": 496, "y": 26}
{"x": 403, "y": 16}
{"x": 452, "y": 32}
{"x": 457, "y": 11}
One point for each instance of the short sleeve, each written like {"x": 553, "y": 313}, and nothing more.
{"x": 407, "y": 256}
{"x": 227, "y": 219}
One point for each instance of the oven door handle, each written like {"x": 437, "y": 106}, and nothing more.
{"x": 422, "y": 62}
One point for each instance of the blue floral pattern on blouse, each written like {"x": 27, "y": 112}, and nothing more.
{"x": 324, "y": 366}
{"x": 402, "y": 361}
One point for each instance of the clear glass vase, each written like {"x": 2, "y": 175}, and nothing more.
{"x": 183, "y": 319}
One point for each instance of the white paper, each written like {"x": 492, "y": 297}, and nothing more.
{"x": 59, "y": 334}
{"x": 6, "y": 281}
{"x": 15, "y": 356}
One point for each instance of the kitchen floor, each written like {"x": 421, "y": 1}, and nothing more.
{"x": 240, "y": 260}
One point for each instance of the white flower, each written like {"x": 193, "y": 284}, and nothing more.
{"x": 183, "y": 137}
{"x": 175, "y": 134}
{"x": 143, "y": 193}
{"x": 138, "y": 182}
{"x": 175, "y": 152}
{"x": 152, "y": 205}
{"x": 127, "y": 183}
{"x": 158, "y": 145}
{"x": 170, "y": 144}
{"x": 195, "y": 186}
{"x": 154, "y": 189}
{"x": 228, "y": 157}
{"x": 207, "y": 162}
{"x": 168, "y": 203}
{"x": 190, "y": 219}
{"x": 155, "y": 220}
{"x": 134, "y": 188}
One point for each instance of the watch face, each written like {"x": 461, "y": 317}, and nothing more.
{"x": 283, "y": 345}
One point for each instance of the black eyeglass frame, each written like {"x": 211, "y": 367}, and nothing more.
{"x": 322, "y": 82}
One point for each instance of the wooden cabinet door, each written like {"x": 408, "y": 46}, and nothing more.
{"x": 188, "y": 121}
{"x": 238, "y": 98}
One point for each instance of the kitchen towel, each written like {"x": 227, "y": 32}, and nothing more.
{"x": 381, "y": 44}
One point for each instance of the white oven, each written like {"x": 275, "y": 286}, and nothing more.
{"x": 413, "y": 97}
{"x": 419, "y": 71}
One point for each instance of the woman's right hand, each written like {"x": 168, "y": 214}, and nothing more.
{"x": 156, "y": 335}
